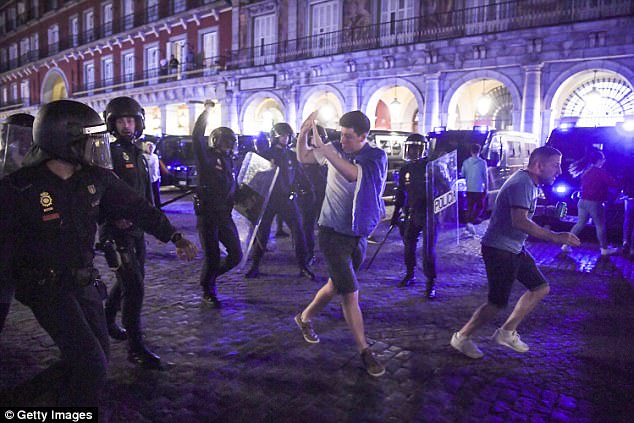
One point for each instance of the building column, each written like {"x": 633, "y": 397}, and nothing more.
{"x": 290, "y": 113}
{"x": 431, "y": 117}
{"x": 352, "y": 93}
{"x": 163, "y": 109}
{"x": 531, "y": 100}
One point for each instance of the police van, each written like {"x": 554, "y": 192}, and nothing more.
{"x": 616, "y": 143}
{"x": 392, "y": 143}
{"x": 177, "y": 153}
{"x": 505, "y": 152}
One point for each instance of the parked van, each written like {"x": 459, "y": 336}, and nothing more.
{"x": 392, "y": 143}
{"x": 505, "y": 152}
{"x": 177, "y": 153}
{"x": 616, "y": 143}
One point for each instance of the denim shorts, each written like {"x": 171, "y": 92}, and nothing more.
{"x": 504, "y": 267}
{"x": 344, "y": 255}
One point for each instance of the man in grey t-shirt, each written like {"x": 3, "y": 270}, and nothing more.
{"x": 505, "y": 257}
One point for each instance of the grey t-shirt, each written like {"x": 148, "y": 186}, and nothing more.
{"x": 518, "y": 192}
{"x": 336, "y": 211}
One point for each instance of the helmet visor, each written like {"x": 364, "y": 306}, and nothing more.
{"x": 413, "y": 150}
{"x": 15, "y": 141}
{"x": 97, "y": 147}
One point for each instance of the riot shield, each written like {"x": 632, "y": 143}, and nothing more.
{"x": 15, "y": 141}
{"x": 255, "y": 183}
{"x": 442, "y": 216}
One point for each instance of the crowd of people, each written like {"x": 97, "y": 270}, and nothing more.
{"x": 71, "y": 180}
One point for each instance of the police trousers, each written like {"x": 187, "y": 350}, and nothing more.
{"x": 410, "y": 232}
{"x": 128, "y": 291}
{"x": 215, "y": 227}
{"x": 74, "y": 319}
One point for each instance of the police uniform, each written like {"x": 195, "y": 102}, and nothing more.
{"x": 310, "y": 198}
{"x": 411, "y": 198}
{"x": 215, "y": 199}
{"x": 283, "y": 202}
{"x": 130, "y": 165}
{"x": 50, "y": 225}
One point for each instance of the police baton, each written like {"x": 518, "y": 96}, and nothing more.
{"x": 389, "y": 231}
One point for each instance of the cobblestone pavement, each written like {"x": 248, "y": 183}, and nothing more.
{"x": 248, "y": 362}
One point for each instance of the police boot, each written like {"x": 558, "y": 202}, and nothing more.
{"x": 254, "y": 271}
{"x": 306, "y": 272}
{"x": 114, "y": 330}
{"x": 430, "y": 292}
{"x": 210, "y": 297}
{"x": 139, "y": 354}
{"x": 407, "y": 280}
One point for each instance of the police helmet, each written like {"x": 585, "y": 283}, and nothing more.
{"x": 279, "y": 130}
{"x": 262, "y": 142}
{"x": 73, "y": 132}
{"x": 416, "y": 147}
{"x": 124, "y": 107}
{"x": 222, "y": 139}
{"x": 323, "y": 134}
{"x": 16, "y": 137}
{"x": 20, "y": 119}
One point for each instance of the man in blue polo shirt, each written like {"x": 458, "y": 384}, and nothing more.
{"x": 505, "y": 257}
{"x": 351, "y": 210}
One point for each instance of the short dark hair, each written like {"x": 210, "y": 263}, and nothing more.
{"x": 542, "y": 153}
{"x": 475, "y": 148}
{"x": 356, "y": 120}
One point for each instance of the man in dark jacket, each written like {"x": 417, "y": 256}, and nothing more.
{"x": 213, "y": 203}
{"x": 49, "y": 214}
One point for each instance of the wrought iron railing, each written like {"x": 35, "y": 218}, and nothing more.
{"x": 154, "y": 76}
{"x": 498, "y": 17}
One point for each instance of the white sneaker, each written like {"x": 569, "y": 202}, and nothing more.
{"x": 566, "y": 248}
{"x": 510, "y": 339}
{"x": 470, "y": 228}
{"x": 465, "y": 345}
{"x": 609, "y": 251}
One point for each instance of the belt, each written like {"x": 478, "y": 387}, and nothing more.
{"x": 79, "y": 277}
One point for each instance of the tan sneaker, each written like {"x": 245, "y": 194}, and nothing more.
{"x": 307, "y": 330}
{"x": 371, "y": 364}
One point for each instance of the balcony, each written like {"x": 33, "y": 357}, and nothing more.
{"x": 498, "y": 17}
{"x": 154, "y": 76}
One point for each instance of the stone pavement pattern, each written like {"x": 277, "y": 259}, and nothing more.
{"x": 249, "y": 362}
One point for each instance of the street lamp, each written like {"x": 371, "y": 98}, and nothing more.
{"x": 484, "y": 102}
{"x": 395, "y": 106}
{"x": 594, "y": 96}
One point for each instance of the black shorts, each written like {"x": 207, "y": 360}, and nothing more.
{"x": 504, "y": 267}
{"x": 344, "y": 255}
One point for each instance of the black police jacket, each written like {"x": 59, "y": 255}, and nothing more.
{"x": 50, "y": 223}
{"x": 129, "y": 163}
{"x": 216, "y": 175}
{"x": 411, "y": 193}
{"x": 290, "y": 177}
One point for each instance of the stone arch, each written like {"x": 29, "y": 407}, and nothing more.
{"x": 254, "y": 100}
{"x": 456, "y": 85}
{"x": 54, "y": 86}
{"x": 312, "y": 93}
{"x": 373, "y": 91}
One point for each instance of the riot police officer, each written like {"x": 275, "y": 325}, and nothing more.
{"x": 125, "y": 120}
{"x": 413, "y": 201}
{"x": 213, "y": 203}
{"x": 48, "y": 218}
{"x": 282, "y": 201}
{"x": 16, "y": 136}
